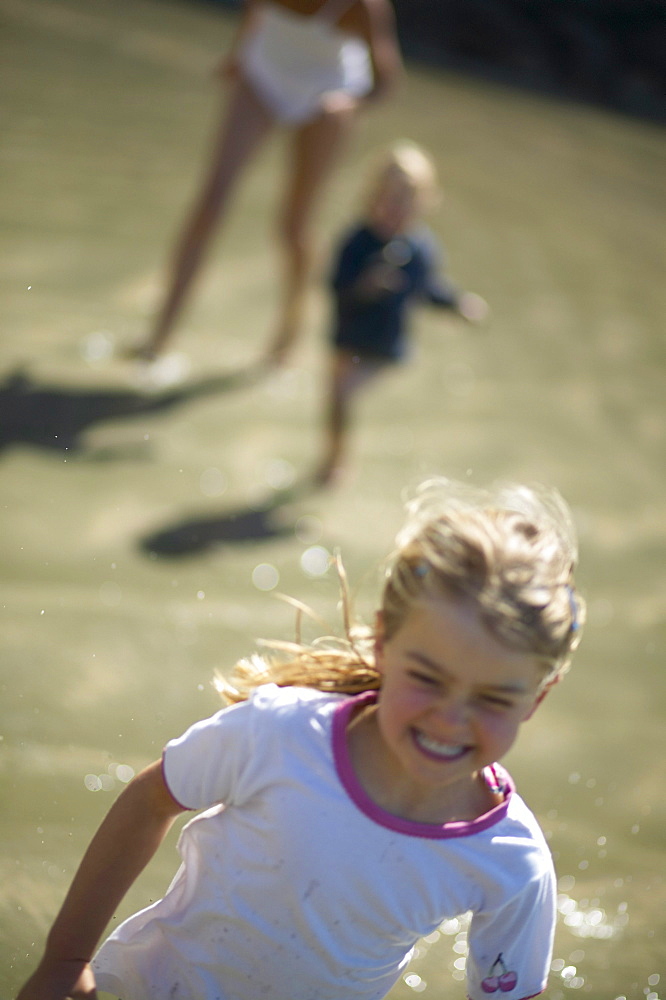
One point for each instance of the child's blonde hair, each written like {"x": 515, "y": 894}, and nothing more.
{"x": 412, "y": 165}
{"x": 511, "y": 551}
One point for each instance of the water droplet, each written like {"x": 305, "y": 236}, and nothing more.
{"x": 265, "y": 576}
{"x": 316, "y": 560}
{"x": 124, "y": 773}
{"x": 279, "y": 473}
{"x": 308, "y": 529}
{"x": 415, "y": 983}
{"x": 97, "y": 346}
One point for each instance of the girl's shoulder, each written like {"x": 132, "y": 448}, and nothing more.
{"x": 232, "y": 754}
{"x": 290, "y": 694}
{"x": 290, "y": 702}
{"x": 268, "y": 708}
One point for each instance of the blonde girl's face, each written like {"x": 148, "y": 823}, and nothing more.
{"x": 395, "y": 204}
{"x": 451, "y": 702}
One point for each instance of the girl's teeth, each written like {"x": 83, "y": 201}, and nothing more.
{"x": 441, "y": 749}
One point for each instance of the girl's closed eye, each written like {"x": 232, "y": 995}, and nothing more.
{"x": 423, "y": 678}
{"x": 496, "y": 702}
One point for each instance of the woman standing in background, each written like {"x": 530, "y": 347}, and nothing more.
{"x": 308, "y": 65}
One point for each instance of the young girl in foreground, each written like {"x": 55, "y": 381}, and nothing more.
{"x": 385, "y": 264}
{"x": 352, "y": 794}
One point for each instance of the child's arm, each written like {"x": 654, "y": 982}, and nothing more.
{"x": 441, "y": 292}
{"x": 469, "y": 305}
{"x": 130, "y": 834}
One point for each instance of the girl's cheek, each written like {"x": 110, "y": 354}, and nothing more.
{"x": 500, "y": 725}
{"x": 426, "y": 699}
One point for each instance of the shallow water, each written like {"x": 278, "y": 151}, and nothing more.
{"x": 143, "y": 516}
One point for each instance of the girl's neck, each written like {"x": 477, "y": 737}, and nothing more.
{"x": 398, "y": 794}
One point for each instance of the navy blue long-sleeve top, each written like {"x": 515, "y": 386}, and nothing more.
{"x": 375, "y": 323}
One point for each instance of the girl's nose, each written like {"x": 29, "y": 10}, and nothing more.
{"x": 452, "y": 713}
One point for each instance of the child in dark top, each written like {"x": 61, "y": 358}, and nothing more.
{"x": 383, "y": 266}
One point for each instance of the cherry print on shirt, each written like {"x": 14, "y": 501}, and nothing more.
{"x": 505, "y": 981}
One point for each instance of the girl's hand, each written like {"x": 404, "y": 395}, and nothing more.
{"x": 473, "y": 308}
{"x": 133, "y": 829}
{"x": 59, "y": 980}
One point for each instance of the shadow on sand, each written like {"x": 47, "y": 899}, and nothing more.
{"x": 271, "y": 518}
{"x": 55, "y": 418}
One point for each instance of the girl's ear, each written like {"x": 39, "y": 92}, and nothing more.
{"x": 542, "y": 694}
{"x": 379, "y": 640}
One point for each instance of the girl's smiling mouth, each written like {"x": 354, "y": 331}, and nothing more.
{"x": 436, "y": 750}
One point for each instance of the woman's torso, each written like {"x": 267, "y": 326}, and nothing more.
{"x": 292, "y": 59}
{"x": 348, "y": 15}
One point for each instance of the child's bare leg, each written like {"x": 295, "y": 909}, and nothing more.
{"x": 244, "y": 126}
{"x": 315, "y": 149}
{"x": 349, "y": 373}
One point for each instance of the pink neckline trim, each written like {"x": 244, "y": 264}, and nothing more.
{"x": 496, "y": 777}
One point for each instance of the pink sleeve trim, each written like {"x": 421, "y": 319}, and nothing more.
{"x": 168, "y": 788}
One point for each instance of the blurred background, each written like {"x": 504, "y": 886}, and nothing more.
{"x": 151, "y": 516}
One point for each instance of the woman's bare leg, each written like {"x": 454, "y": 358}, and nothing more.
{"x": 245, "y": 124}
{"x": 315, "y": 149}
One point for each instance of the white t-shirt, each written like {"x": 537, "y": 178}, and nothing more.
{"x": 299, "y": 887}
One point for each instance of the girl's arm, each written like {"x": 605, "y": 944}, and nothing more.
{"x": 130, "y": 834}
{"x": 439, "y": 291}
{"x": 469, "y": 305}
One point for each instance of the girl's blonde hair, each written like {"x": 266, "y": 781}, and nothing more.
{"x": 412, "y": 165}
{"x": 511, "y": 551}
